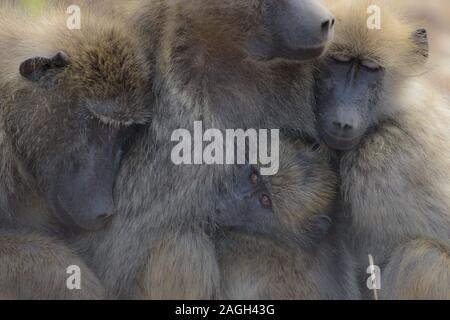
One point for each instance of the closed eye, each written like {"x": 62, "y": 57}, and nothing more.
{"x": 342, "y": 58}
{"x": 371, "y": 65}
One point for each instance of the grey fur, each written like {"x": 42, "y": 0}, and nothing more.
{"x": 159, "y": 245}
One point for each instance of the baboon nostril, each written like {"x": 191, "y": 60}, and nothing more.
{"x": 347, "y": 127}
{"x": 342, "y": 127}
{"x": 336, "y": 124}
{"x": 333, "y": 21}
{"x": 104, "y": 216}
{"x": 326, "y": 27}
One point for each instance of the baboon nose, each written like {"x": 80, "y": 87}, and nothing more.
{"x": 345, "y": 124}
{"x": 327, "y": 28}
{"x": 100, "y": 216}
{"x": 342, "y": 128}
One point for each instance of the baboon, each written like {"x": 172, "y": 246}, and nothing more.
{"x": 35, "y": 266}
{"x": 230, "y": 64}
{"x": 391, "y": 130}
{"x": 70, "y": 100}
{"x": 278, "y": 238}
{"x": 248, "y": 205}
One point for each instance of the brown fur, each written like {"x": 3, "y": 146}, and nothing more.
{"x": 317, "y": 266}
{"x": 395, "y": 184}
{"x": 34, "y": 267}
{"x": 45, "y": 120}
{"x": 418, "y": 269}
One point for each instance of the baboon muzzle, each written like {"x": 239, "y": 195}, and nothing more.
{"x": 294, "y": 30}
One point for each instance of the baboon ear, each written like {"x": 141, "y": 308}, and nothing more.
{"x": 35, "y": 68}
{"x": 420, "y": 38}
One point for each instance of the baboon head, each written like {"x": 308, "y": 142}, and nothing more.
{"x": 240, "y": 62}
{"x": 262, "y": 29}
{"x": 293, "y": 207}
{"x": 363, "y": 70}
{"x": 247, "y": 207}
{"x": 69, "y": 115}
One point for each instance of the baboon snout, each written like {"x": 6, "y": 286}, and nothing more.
{"x": 96, "y": 216}
{"x": 343, "y": 129}
{"x": 302, "y": 29}
{"x": 327, "y": 28}
{"x": 343, "y": 125}
{"x": 91, "y": 210}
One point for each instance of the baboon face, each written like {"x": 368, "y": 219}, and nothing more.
{"x": 248, "y": 206}
{"x": 290, "y": 209}
{"x": 261, "y": 29}
{"x": 70, "y": 125}
{"x": 346, "y": 97}
{"x": 361, "y": 69}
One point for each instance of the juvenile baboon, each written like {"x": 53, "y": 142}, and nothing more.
{"x": 230, "y": 64}
{"x": 278, "y": 237}
{"x": 393, "y": 132}
{"x": 248, "y": 205}
{"x": 69, "y": 102}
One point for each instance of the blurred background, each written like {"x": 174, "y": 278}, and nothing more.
{"x": 435, "y": 15}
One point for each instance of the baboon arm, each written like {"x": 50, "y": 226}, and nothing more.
{"x": 392, "y": 193}
{"x": 419, "y": 269}
{"x": 168, "y": 271}
{"x": 35, "y": 267}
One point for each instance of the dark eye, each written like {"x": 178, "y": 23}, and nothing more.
{"x": 315, "y": 147}
{"x": 371, "y": 65}
{"x": 254, "y": 178}
{"x": 266, "y": 202}
{"x": 342, "y": 58}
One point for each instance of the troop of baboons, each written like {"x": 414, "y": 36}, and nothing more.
{"x": 86, "y": 118}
